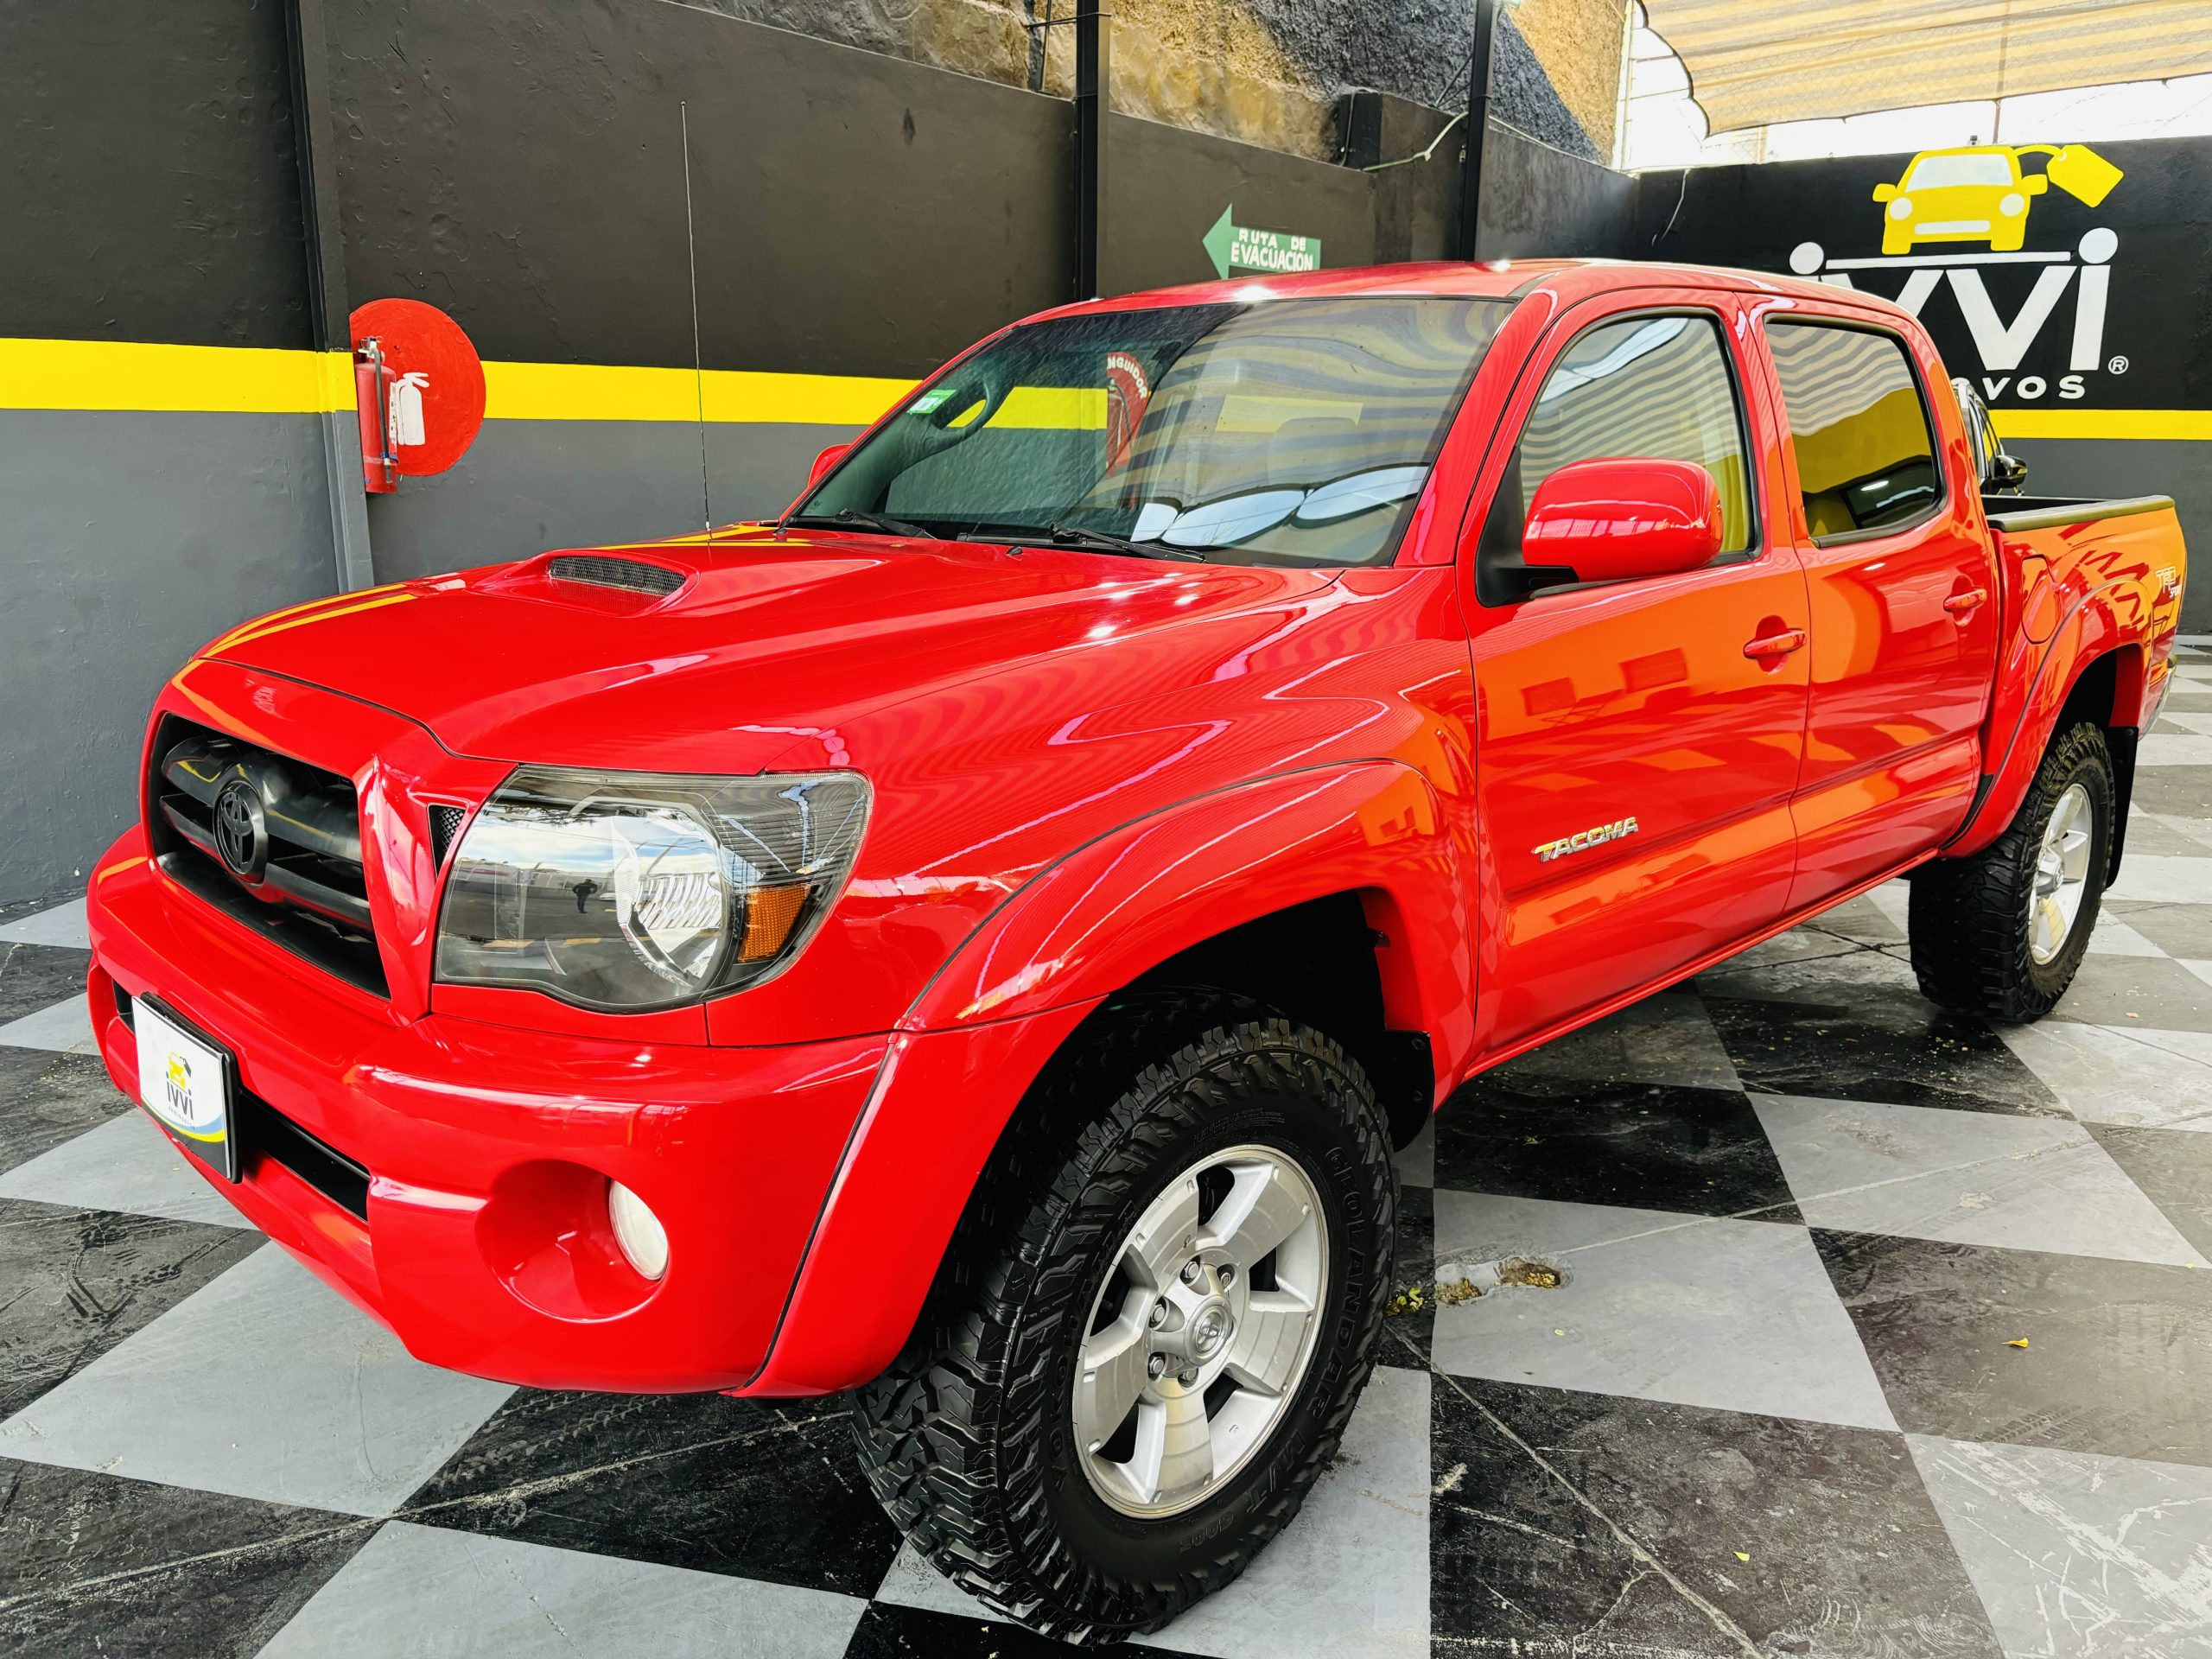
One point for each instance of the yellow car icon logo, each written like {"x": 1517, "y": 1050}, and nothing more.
{"x": 1980, "y": 193}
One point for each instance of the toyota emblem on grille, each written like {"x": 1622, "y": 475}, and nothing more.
{"x": 239, "y": 834}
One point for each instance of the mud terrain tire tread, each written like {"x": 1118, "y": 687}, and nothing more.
{"x": 1968, "y": 915}
{"x": 953, "y": 1437}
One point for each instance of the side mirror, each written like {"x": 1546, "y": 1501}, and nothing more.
{"x": 1615, "y": 520}
{"x": 1885, "y": 192}
{"x": 824, "y": 461}
{"x": 2035, "y": 184}
{"x": 2006, "y": 474}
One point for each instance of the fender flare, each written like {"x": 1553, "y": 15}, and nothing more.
{"x": 1109, "y": 910}
{"x": 2089, "y": 632}
{"x": 990, "y": 1019}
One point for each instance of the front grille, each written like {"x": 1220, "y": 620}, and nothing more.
{"x": 267, "y": 839}
{"x": 634, "y": 574}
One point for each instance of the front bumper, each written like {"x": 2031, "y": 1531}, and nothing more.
{"x": 485, "y": 1245}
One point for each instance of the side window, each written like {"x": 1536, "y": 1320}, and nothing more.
{"x": 1857, "y": 426}
{"x": 1656, "y": 387}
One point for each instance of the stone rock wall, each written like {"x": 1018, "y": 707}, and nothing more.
{"x": 1266, "y": 72}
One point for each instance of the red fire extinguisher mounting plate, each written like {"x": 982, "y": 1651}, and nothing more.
{"x": 434, "y": 383}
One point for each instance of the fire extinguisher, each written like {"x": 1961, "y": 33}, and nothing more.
{"x": 372, "y": 379}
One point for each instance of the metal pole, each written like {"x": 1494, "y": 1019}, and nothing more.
{"x": 329, "y": 316}
{"x": 1092, "y": 77}
{"x": 1471, "y": 175}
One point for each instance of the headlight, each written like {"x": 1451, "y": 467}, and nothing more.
{"x": 628, "y": 891}
{"x": 1901, "y": 208}
{"x": 2013, "y": 203}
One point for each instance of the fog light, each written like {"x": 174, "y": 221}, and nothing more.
{"x": 637, "y": 1230}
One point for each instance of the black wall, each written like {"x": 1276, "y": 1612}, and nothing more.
{"x": 149, "y": 189}
{"x": 523, "y": 170}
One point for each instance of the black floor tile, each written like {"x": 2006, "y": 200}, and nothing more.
{"x": 888, "y": 1632}
{"x": 1887, "y": 1047}
{"x": 2174, "y": 1169}
{"x": 90, "y": 1564}
{"x": 2184, "y": 791}
{"x": 47, "y": 1098}
{"x": 2118, "y": 1359}
{"x": 75, "y": 1282}
{"x": 1643, "y": 1146}
{"x": 1791, "y": 1537}
{"x": 761, "y": 1489}
{"x": 36, "y": 976}
{"x": 1409, "y": 1322}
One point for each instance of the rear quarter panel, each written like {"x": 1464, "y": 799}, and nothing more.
{"x": 2107, "y": 583}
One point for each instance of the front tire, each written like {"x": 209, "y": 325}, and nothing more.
{"x": 2001, "y": 934}
{"x": 1194, "y": 1244}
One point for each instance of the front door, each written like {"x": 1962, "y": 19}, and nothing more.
{"x": 1639, "y": 741}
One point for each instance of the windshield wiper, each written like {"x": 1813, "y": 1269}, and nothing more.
{"x": 1076, "y": 535}
{"x": 853, "y": 518}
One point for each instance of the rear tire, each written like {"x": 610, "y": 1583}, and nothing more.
{"x": 976, "y": 1439}
{"x": 2002, "y": 933}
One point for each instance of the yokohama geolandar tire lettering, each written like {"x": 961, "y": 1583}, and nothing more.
{"x": 969, "y": 1439}
{"x": 1974, "y": 943}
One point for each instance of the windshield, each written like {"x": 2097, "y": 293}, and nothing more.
{"x": 1941, "y": 172}
{"x": 1284, "y": 432}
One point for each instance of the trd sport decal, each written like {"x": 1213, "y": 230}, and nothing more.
{"x": 1583, "y": 840}
{"x": 1952, "y": 214}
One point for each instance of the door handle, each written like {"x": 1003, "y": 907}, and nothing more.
{"x": 1777, "y": 644}
{"x": 1960, "y": 604}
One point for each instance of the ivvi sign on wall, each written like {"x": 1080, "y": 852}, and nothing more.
{"x": 2005, "y": 241}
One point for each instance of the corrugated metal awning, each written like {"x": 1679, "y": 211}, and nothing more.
{"x": 1752, "y": 62}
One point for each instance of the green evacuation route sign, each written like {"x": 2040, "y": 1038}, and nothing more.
{"x": 1239, "y": 247}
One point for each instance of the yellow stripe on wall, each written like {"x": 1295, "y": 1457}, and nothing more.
{"x": 100, "y": 374}
{"x": 586, "y": 391}
{"x": 2171, "y": 425}
{"x": 103, "y": 374}
{"x": 107, "y": 374}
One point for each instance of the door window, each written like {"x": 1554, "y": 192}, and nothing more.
{"x": 1858, "y": 427}
{"x": 1643, "y": 387}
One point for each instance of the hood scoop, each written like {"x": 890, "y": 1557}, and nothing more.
{"x": 598, "y": 570}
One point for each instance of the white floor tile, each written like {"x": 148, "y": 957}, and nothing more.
{"x": 2173, "y": 749}
{"x": 1349, "y": 1578}
{"x": 431, "y": 1593}
{"x": 1737, "y": 1315}
{"x": 125, "y": 1164}
{"x": 1965, "y": 1178}
{"x": 66, "y": 1027}
{"x": 2144, "y": 1078}
{"x": 1667, "y": 1039}
{"x": 2113, "y": 937}
{"x": 63, "y": 925}
{"x": 2168, "y": 880}
{"x": 266, "y": 1384}
{"x": 2076, "y": 1554}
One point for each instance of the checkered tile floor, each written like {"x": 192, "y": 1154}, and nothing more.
{"x": 1876, "y": 1332}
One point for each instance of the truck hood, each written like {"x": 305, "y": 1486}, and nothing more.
{"x": 718, "y": 654}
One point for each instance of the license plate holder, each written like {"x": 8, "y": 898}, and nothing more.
{"x": 188, "y": 1083}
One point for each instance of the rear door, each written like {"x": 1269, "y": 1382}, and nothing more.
{"x": 1904, "y": 590}
{"x": 1635, "y": 765}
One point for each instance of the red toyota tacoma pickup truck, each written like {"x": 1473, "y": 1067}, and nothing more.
{"x": 976, "y": 941}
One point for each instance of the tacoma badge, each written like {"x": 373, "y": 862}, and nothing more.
{"x": 1583, "y": 840}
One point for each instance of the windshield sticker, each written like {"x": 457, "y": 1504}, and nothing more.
{"x": 928, "y": 402}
